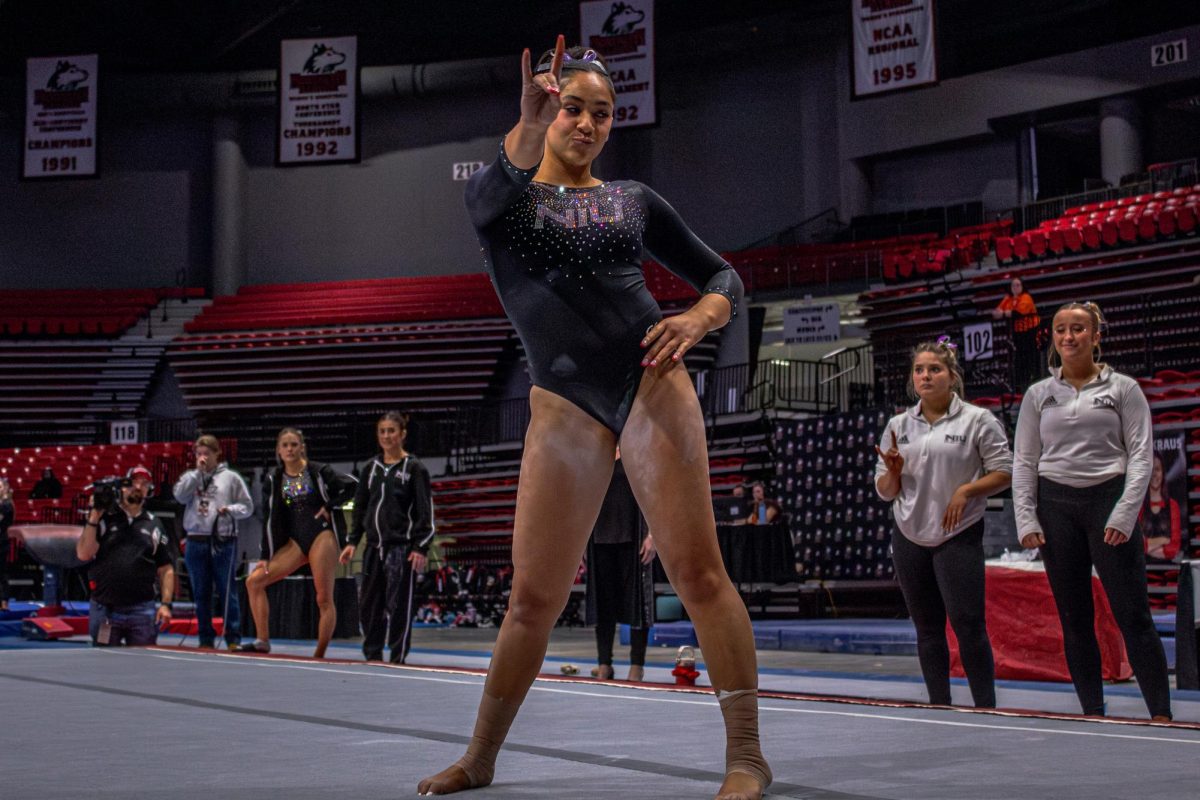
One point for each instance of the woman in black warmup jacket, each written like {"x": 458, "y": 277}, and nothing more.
{"x": 394, "y": 508}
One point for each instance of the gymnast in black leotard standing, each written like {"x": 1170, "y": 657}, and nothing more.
{"x": 301, "y": 527}
{"x": 564, "y": 251}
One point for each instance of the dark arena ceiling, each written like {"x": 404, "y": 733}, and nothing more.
{"x": 139, "y": 36}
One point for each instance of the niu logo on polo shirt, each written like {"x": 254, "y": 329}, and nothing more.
{"x": 955, "y": 438}
{"x": 1103, "y": 401}
{"x": 1050, "y": 401}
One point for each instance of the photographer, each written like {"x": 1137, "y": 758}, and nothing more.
{"x": 128, "y": 549}
{"x": 215, "y": 498}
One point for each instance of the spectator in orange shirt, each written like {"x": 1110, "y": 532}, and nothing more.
{"x": 1018, "y": 307}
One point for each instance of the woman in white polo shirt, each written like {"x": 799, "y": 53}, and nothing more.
{"x": 944, "y": 458}
{"x": 1080, "y": 472}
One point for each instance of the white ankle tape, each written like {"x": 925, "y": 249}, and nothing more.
{"x": 725, "y": 697}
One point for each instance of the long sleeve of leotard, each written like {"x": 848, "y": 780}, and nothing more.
{"x": 671, "y": 242}
{"x": 491, "y": 190}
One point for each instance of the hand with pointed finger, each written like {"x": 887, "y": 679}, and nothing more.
{"x": 539, "y": 93}
{"x": 667, "y": 340}
{"x": 891, "y": 457}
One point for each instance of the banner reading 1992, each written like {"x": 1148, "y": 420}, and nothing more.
{"x": 893, "y": 45}
{"x": 60, "y": 117}
{"x": 623, "y": 33}
{"x": 318, "y": 101}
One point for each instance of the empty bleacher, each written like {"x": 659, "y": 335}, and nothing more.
{"x": 73, "y": 312}
{"x": 69, "y": 359}
{"x": 351, "y": 303}
{"x": 1121, "y": 222}
{"x": 76, "y": 467}
{"x": 1148, "y": 294}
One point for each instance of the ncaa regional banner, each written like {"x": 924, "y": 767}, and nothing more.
{"x": 60, "y": 117}
{"x": 318, "y": 101}
{"x": 893, "y": 45}
{"x": 624, "y": 34}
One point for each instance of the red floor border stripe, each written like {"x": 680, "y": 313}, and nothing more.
{"x": 770, "y": 694}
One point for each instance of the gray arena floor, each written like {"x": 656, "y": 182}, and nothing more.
{"x": 137, "y": 723}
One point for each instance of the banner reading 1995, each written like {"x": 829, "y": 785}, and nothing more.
{"x": 893, "y": 45}
{"x": 60, "y": 117}
{"x": 318, "y": 101}
{"x": 623, "y": 33}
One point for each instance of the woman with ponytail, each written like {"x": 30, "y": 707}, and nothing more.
{"x": 1082, "y": 465}
{"x": 302, "y": 527}
{"x": 945, "y": 457}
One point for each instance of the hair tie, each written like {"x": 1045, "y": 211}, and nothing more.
{"x": 588, "y": 61}
{"x": 944, "y": 340}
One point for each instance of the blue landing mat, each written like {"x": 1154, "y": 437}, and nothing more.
{"x": 866, "y": 636}
{"x": 10, "y": 620}
{"x": 858, "y": 636}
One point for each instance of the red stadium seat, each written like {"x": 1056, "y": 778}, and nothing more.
{"x": 1147, "y": 226}
{"x": 1073, "y": 239}
{"x": 1037, "y": 243}
{"x": 1004, "y": 249}
{"x": 1185, "y": 219}
{"x": 1054, "y": 241}
{"x": 1021, "y": 247}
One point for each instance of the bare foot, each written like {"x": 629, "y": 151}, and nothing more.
{"x": 740, "y": 786}
{"x": 636, "y": 673}
{"x": 450, "y": 780}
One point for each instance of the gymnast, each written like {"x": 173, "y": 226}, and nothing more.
{"x": 564, "y": 251}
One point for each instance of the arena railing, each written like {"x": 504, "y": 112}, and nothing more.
{"x": 1158, "y": 177}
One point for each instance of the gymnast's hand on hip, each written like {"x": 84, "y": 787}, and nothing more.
{"x": 668, "y": 339}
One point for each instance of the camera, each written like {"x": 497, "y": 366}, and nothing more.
{"x": 106, "y": 493}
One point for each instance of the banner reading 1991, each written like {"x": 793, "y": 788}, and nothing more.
{"x": 318, "y": 101}
{"x": 60, "y": 117}
{"x": 893, "y": 45}
{"x": 624, "y": 34}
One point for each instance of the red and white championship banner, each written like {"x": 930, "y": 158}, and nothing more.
{"x": 623, "y": 32}
{"x": 893, "y": 45}
{"x": 60, "y": 117}
{"x": 318, "y": 101}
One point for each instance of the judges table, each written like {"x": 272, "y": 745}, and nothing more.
{"x": 757, "y": 553}
{"x": 1026, "y": 636}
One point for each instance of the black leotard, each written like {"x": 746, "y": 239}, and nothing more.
{"x": 301, "y": 502}
{"x": 566, "y": 264}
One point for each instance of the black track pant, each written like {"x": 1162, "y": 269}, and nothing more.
{"x": 638, "y": 637}
{"x": 1073, "y": 523}
{"x": 942, "y": 581}
{"x": 385, "y": 603}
